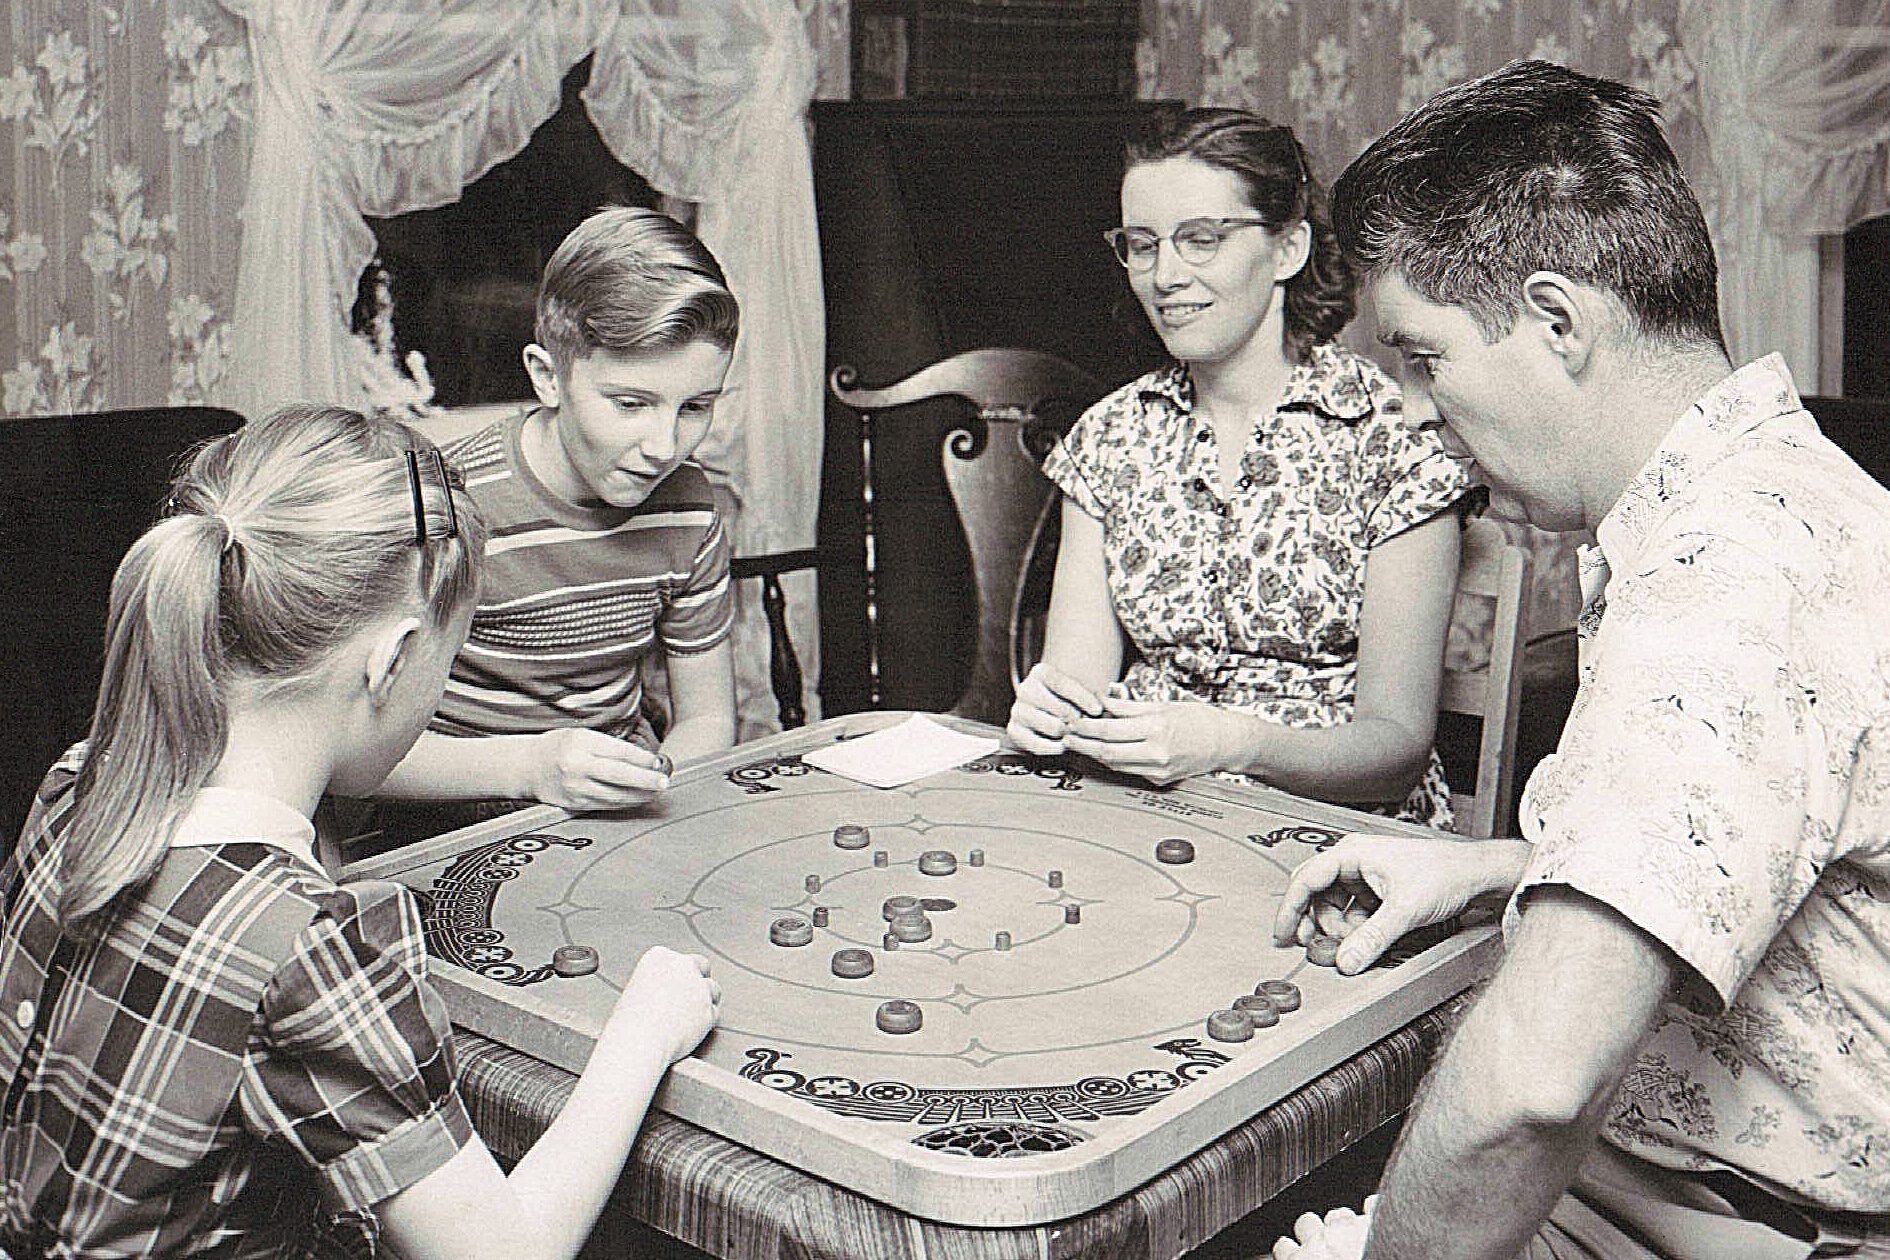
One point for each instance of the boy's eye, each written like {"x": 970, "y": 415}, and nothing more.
{"x": 629, "y": 402}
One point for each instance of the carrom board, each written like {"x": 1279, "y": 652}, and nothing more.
{"x": 1046, "y": 1078}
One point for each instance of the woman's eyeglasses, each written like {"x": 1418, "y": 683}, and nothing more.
{"x": 1196, "y": 241}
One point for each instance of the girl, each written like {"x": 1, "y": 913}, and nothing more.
{"x": 211, "y": 1045}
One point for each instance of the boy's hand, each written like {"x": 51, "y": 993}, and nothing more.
{"x": 670, "y": 1000}
{"x": 580, "y": 769}
{"x": 1048, "y": 700}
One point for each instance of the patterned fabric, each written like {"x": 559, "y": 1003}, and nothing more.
{"x": 1252, "y": 600}
{"x": 573, "y": 599}
{"x": 243, "y": 1041}
{"x": 1724, "y": 782}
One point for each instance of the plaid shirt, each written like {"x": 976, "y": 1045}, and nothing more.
{"x": 244, "y": 1050}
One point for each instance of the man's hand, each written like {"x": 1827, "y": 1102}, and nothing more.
{"x": 584, "y": 770}
{"x": 1401, "y": 883}
{"x": 1339, "y": 1235}
{"x": 1160, "y": 742}
{"x": 1048, "y": 700}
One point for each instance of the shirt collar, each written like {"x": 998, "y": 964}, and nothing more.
{"x": 237, "y": 815}
{"x": 1325, "y": 383}
{"x": 1758, "y": 392}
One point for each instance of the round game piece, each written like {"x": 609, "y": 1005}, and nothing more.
{"x": 937, "y": 862}
{"x": 898, "y": 1016}
{"x": 975, "y": 858}
{"x": 664, "y": 766}
{"x": 791, "y": 931}
{"x": 852, "y": 964}
{"x": 1259, "y": 1009}
{"x": 1283, "y": 994}
{"x": 893, "y": 907}
{"x": 912, "y": 928}
{"x": 1230, "y": 1026}
{"x": 822, "y": 916}
{"x": 1003, "y": 941}
{"x": 811, "y": 883}
{"x": 1072, "y": 914}
{"x": 881, "y": 858}
{"x": 851, "y": 836}
{"x": 1174, "y": 851}
{"x": 1054, "y": 879}
{"x": 1323, "y": 951}
{"x": 574, "y": 960}
{"x": 889, "y": 942}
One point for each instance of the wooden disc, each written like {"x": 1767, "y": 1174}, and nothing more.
{"x": 574, "y": 960}
{"x": 852, "y": 964}
{"x": 1283, "y": 994}
{"x": 898, "y": 1016}
{"x": 1230, "y": 1026}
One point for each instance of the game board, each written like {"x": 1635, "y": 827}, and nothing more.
{"x": 1049, "y": 1073}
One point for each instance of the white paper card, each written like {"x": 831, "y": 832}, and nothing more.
{"x": 900, "y": 754}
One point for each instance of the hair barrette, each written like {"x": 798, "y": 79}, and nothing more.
{"x": 436, "y": 469}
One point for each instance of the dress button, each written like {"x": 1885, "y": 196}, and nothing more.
{"x": 1199, "y": 484}
{"x": 1203, "y": 436}
{"x": 24, "y": 1016}
{"x": 1244, "y": 483}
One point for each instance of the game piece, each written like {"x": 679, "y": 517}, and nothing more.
{"x": 851, "y": 836}
{"x": 1283, "y": 994}
{"x": 1230, "y": 1026}
{"x": 812, "y": 883}
{"x": 893, "y": 907}
{"x": 975, "y": 858}
{"x": 1072, "y": 914}
{"x": 1323, "y": 951}
{"x": 912, "y": 928}
{"x": 1174, "y": 851}
{"x": 898, "y": 1016}
{"x": 1258, "y": 1009}
{"x": 822, "y": 916}
{"x": 791, "y": 931}
{"x": 664, "y": 766}
{"x": 852, "y": 964}
{"x": 937, "y": 862}
{"x": 881, "y": 858}
{"x": 574, "y": 960}
{"x": 1357, "y": 915}
{"x": 1055, "y": 879}
{"x": 889, "y": 942}
{"x": 1003, "y": 941}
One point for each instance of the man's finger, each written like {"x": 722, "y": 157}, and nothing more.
{"x": 1366, "y": 942}
{"x": 1314, "y": 876}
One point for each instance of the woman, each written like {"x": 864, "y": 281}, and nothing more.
{"x": 1257, "y": 519}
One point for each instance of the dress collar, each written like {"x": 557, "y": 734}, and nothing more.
{"x": 1758, "y": 392}
{"x": 1326, "y": 383}
{"x": 237, "y": 815}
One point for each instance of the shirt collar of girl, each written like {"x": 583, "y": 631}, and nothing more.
{"x": 235, "y": 815}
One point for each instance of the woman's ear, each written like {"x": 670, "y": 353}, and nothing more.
{"x": 544, "y": 373}
{"x": 1295, "y": 247}
{"x": 390, "y": 649}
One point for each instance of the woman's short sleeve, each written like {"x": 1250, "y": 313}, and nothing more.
{"x": 1409, "y": 477}
{"x": 1080, "y": 462}
{"x": 352, "y": 1063}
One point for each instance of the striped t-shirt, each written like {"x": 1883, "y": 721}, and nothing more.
{"x": 573, "y": 599}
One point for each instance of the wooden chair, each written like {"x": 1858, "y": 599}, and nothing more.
{"x": 991, "y": 466}
{"x": 1496, "y": 569}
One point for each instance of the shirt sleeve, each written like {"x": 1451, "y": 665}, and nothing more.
{"x": 352, "y": 1064}
{"x": 1679, "y": 795}
{"x": 1409, "y": 476}
{"x": 699, "y": 616}
{"x": 1078, "y": 463}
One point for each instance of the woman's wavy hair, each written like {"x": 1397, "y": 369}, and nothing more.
{"x": 1275, "y": 173}
{"x": 280, "y": 541}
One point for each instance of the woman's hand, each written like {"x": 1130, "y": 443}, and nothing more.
{"x": 1160, "y": 742}
{"x": 1048, "y": 700}
{"x": 579, "y": 769}
{"x": 669, "y": 1000}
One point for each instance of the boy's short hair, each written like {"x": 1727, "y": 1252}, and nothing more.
{"x": 1534, "y": 167}
{"x": 631, "y": 279}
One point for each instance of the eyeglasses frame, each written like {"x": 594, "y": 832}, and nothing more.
{"x": 1117, "y": 237}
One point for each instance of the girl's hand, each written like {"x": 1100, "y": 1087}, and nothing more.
{"x": 579, "y": 769}
{"x": 670, "y": 1000}
{"x": 1160, "y": 742}
{"x": 1048, "y": 700}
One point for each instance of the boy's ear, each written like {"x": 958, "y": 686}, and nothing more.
{"x": 544, "y": 373}
{"x": 389, "y": 651}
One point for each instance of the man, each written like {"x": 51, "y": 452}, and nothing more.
{"x": 1686, "y": 1051}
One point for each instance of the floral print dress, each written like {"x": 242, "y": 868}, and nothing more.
{"x": 1249, "y": 595}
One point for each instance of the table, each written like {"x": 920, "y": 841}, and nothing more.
{"x": 1063, "y": 1094}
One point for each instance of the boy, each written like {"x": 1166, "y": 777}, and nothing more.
{"x": 607, "y": 546}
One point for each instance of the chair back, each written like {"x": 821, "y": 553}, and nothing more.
{"x": 991, "y": 467}
{"x": 75, "y": 493}
{"x": 1493, "y": 568}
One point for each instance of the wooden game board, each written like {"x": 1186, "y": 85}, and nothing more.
{"x": 1046, "y": 1079}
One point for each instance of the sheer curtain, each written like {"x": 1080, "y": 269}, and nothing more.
{"x": 367, "y": 109}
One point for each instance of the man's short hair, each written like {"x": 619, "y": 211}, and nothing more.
{"x": 1534, "y": 167}
{"x": 630, "y": 279}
